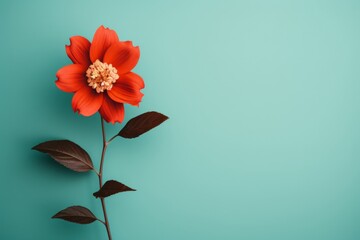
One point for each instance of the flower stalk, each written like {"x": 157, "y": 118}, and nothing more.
{"x": 72, "y": 156}
{"x": 103, "y": 205}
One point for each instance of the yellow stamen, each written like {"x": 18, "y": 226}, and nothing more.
{"x": 101, "y": 76}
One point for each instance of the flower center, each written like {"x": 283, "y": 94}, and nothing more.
{"x": 101, "y": 76}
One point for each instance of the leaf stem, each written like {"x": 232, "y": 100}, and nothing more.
{"x": 112, "y": 138}
{"x": 102, "y": 221}
{"x": 105, "y": 144}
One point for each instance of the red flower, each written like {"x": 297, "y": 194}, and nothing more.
{"x": 101, "y": 76}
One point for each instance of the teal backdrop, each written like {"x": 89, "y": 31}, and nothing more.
{"x": 263, "y": 141}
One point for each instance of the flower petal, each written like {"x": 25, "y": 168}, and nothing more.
{"x": 103, "y": 38}
{"x": 78, "y": 50}
{"x": 71, "y": 78}
{"x": 112, "y": 111}
{"x": 86, "y": 101}
{"x": 68, "y": 52}
{"x": 127, "y": 89}
{"x": 122, "y": 55}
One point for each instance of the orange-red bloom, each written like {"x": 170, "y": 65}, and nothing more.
{"x": 101, "y": 76}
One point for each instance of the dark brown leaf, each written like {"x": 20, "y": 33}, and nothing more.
{"x": 76, "y": 214}
{"x": 112, "y": 187}
{"x": 141, "y": 124}
{"x": 68, "y": 154}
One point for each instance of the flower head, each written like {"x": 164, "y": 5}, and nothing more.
{"x": 101, "y": 76}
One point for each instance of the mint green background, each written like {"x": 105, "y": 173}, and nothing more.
{"x": 263, "y": 137}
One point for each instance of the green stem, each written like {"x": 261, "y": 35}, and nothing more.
{"x": 105, "y": 144}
